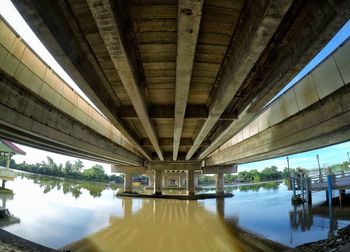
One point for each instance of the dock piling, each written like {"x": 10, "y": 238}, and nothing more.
{"x": 329, "y": 180}
{"x": 302, "y": 185}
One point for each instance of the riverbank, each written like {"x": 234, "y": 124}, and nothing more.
{"x": 339, "y": 242}
{"x": 13, "y": 243}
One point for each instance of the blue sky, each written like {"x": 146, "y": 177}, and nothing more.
{"x": 328, "y": 155}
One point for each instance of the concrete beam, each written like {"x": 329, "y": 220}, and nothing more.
{"x": 189, "y": 19}
{"x": 219, "y": 169}
{"x": 128, "y": 169}
{"x": 258, "y": 22}
{"x": 315, "y": 33}
{"x": 53, "y": 23}
{"x": 325, "y": 123}
{"x": 168, "y": 142}
{"x": 168, "y": 156}
{"x": 26, "y": 119}
{"x": 167, "y": 112}
{"x": 173, "y": 165}
{"x": 110, "y": 26}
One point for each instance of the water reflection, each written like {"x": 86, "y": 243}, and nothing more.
{"x": 162, "y": 225}
{"x": 302, "y": 217}
{"x": 9, "y": 219}
{"x": 244, "y": 188}
{"x": 90, "y": 214}
{"x": 71, "y": 186}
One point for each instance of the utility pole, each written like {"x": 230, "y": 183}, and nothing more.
{"x": 288, "y": 166}
{"x": 319, "y": 168}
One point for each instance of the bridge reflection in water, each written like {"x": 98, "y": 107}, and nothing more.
{"x": 163, "y": 225}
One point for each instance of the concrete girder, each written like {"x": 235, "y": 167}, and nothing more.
{"x": 322, "y": 124}
{"x": 219, "y": 169}
{"x": 168, "y": 142}
{"x": 110, "y": 28}
{"x": 189, "y": 19}
{"x": 315, "y": 33}
{"x": 167, "y": 112}
{"x": 173, "y": 165}
{"x": 28, "y": 120}
{"x": 49, "y": 21}
{"x": 250, "y": 42}
{"x": 129, "y": 169}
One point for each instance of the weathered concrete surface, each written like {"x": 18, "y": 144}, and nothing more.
{"x": 264, "y": 19}
{"x": 173, "y": 165}
{"x": 189, "y": 20}
{"x": 75, "y": 57}
{"x": 219, "y": 182}
{"x": 129, "y": 169}
{"x": 127, "y": 182}
{"x": 28, "y": 120}
{"x": 245, "y": 51}
{"x": 219, "y": 169}
{"x": 329, "y": 76}
{"x": 325, "y": 123}
{"x": 110, "y": 27}
{"x": 292, "y": 50}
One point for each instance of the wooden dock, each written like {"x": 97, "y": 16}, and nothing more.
{"x": 318, "y": 182}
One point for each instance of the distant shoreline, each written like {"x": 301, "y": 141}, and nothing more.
{"x": 244, "y": 184}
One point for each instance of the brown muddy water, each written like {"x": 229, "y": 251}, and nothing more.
{"x": 85, "y": 216}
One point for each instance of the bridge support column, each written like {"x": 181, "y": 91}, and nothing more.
{"x": 150, "y": 181}
{"x": 157, "y": 188}
{"x": 128, "y": 183}
{"x": 190, "y": 182}
{"x": 219, "y": 180}
{"x": 196, "y": 178}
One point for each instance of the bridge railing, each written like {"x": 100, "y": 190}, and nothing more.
{"x": 19, "y": 61}
{"x": 340, "y": 179}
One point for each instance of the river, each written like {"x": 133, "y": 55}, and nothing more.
{"x": 85, "y": 216}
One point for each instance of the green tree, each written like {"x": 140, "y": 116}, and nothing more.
{"x": 77, "y": 166}
{"x": 68, "y": 168}
{"x": 95, "y": 172}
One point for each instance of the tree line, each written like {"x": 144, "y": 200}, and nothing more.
{"x": 75, "y": 170}
{"x": 68, "y": 170}
{"x": 252, "y": 176}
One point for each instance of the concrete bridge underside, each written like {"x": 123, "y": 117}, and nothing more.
{"x": 179, "y": 83}
{"x": 32, "y": 122}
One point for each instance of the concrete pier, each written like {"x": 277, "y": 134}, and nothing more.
{"x": 157, "y": 182}
{"x": 175, "y": 175}
{"x": 190, "y": 182}
{"x": 219, "y": 180}
{"x": 128, "y": 183}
